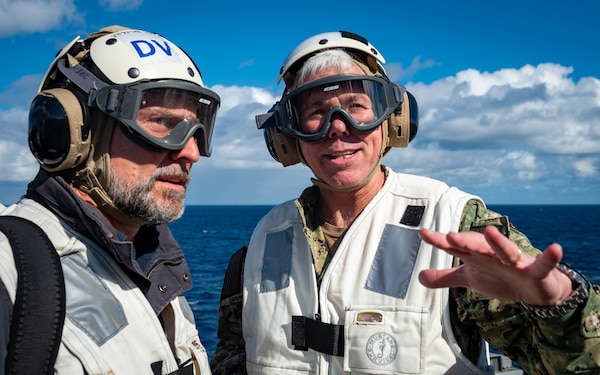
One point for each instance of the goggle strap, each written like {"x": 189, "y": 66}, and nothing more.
{"x": 83, "y": 78}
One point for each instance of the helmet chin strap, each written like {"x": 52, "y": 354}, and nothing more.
{"x": 93, "y": 175}
{"x": 87, "y": 181}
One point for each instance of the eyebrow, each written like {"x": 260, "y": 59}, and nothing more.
{"x": 156, "y": 110}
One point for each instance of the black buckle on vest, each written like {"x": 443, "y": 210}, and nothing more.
{"x": 322, "y": 337}
{"x": 186, "y": 368}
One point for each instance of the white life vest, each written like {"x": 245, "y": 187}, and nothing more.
{"x": 110, "y": 328}
{"x": 392, "y": 323}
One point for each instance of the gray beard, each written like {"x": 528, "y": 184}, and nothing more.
{"x": 137, "y": 201}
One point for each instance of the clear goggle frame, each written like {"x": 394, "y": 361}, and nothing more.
{"x": 170, "y": 132}
{"x": 363, "y": 102}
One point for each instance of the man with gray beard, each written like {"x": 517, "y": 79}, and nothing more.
{"x": 136, "y": 200}
{"x": 119, "y": 119}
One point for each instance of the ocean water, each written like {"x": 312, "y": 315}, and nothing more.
{"x": 210, "y": 234}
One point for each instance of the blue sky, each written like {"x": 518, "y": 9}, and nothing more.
{"x": 508, "y": 91}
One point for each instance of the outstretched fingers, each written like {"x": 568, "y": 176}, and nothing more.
{"x": 462, "y": 244}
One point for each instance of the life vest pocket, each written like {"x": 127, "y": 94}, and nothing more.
{"x": 383, "y": 340}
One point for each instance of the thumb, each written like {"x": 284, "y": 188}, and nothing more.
{"x": 442, "y": 278}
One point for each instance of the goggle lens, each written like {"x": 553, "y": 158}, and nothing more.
{"x": 363, "y": 101}
{"x": 172, "y": 116}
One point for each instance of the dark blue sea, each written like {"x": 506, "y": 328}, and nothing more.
{"x": 210, "y": 234}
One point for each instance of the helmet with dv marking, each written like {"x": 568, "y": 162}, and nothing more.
{"x": 102, "y": 81}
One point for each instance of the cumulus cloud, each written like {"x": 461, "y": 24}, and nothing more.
{"x": 18, "y": 163}
{"x": 534, "y": 108}
{"x": 587, "y": 167}
{"x": 512, "y": 126}
{"x": 14, "y": 124}
{"x": 237, "y": 142}
{"x": 35, "y": 16}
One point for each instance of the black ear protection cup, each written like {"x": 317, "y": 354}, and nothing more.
{"x": 414, "y": 115}
{"x": 404, "y": 122}
{"x": 58, "y": 136}
{"x": 282, "y": 147}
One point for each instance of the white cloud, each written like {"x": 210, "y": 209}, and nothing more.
{"x": 35, "y": 16}
{"x": 534, "y": 108}
{"x": 233, "y": 96}
{"x": 18, "y": 163}
{"x": 118, "y": 5}
{"x": 553, "y": 76}
{"x": 14, "y": 125}
{"x": 586, "y": 168}
{"x": 236, "y": 142}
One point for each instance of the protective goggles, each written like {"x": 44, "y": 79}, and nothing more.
{"x": 362, "y": 102}
{"x": 163, "y": 115}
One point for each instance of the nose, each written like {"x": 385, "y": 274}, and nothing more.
{"x": 338, "y": 126}
{"x": 190, "y": 152}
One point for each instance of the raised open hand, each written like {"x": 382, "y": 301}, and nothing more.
{"x": 494, "y": 265}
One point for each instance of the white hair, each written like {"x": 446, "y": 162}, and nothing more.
{"x": 335, "y": 59}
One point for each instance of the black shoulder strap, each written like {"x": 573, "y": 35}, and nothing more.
{"x": 39, "y": 310}
{"x": 233, "y": 281}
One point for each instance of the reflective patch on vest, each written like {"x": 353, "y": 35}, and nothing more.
{"x": 277, "y": 261}
{"x": 394, "y": 261}
{"x": 90, "y": 304}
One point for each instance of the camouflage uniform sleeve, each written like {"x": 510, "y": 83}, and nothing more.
{"x": 230, "y": 354}
{"x": 566, "y": 345}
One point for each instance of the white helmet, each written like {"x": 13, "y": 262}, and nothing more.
{"x": 352, "y": 43}
{"x": 142, "y": 55}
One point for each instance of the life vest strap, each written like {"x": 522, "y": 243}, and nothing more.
{"x": 322, "y": 337}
